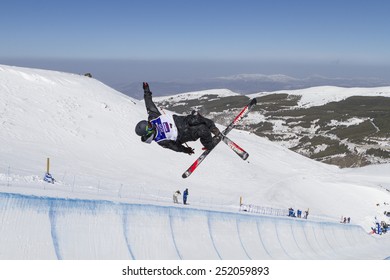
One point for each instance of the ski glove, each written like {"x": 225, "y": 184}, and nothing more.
{"x": 145, "y": 86}
{"x": 188, "y": 150}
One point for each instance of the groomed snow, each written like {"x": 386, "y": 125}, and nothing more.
{"x": 111, "y": 184}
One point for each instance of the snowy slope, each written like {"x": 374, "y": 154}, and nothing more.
{"x": 87, "y": 130}
{"x": 317, "y": 96}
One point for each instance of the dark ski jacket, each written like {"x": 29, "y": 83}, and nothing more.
{"x": 190, "y": 127}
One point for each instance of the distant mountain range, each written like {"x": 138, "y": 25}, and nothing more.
{"x": 347, "y": 127}
{"x": 246, "y": 84}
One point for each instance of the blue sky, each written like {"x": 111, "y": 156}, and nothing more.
{"x": 277, "y": 34}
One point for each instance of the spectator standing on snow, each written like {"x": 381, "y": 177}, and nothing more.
{"x": 378, "y": 228}
{"x": 306, "y": 214}
{"x": 175, "y": 195}
{"x": 185, "y": 194}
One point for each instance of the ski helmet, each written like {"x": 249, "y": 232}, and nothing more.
{"x": 144, "y": 128}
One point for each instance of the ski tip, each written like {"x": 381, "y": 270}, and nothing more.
{"x": 185, "y": 175}
{"x": 253, "y": 101}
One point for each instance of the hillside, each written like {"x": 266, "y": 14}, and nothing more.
{"x": 347, "y": 127}
{"x": 87, "y": 130}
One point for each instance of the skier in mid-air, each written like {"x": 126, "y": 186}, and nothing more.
{"x": 172, "y": 131}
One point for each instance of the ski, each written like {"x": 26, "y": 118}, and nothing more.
{"x": 237, "y": 149}
{"x": 236, "y": 120}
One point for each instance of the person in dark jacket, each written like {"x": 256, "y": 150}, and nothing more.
{"x": 185, "y": 195}
{"x": 172, "y": 131}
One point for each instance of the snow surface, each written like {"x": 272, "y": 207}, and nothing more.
{"x": 113, "y": 195}
{"x": 317, "y": 96}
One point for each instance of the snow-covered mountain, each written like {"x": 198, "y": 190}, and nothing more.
{"x": 347, "y": 127}
{"x": 87, "y": 131}
{"x": 248, "y": 84}
{"x": 260, "y": 77}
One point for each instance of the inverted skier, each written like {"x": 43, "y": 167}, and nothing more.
{"x": 172, "y": 131}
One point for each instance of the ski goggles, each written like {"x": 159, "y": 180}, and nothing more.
{"x": 150, "y": 128}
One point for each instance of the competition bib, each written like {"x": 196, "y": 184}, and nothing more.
{"x": 166, "y": 128}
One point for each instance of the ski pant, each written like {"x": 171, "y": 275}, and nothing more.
{"x": 194, "y": 127}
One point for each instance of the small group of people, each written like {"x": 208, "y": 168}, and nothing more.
{"x": 176, "y": 195}
{"x": 380, "y": 228}
{"x": 345, "y": 220}
{"x": 291, "y": 213}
